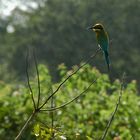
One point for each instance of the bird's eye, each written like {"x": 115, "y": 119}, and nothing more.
{"x": 100, "y": 27}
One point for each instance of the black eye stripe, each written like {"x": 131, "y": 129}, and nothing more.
{"x": 98, "y": 27}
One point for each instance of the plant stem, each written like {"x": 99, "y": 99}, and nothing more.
{"x": 115, "y": 110}
{"x": 25, "y": 125}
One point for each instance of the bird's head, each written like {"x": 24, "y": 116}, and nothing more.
{"x": 97, "y": 27}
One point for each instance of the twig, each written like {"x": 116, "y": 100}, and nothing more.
{"x": 92, "y": 56}
{"x": 116, "y": 108}
{"x": 25, "y": 125}
{"x": 38, "y": 79}
{"x": 28, "y": 80}
{"x": 52, "y": 116}
{"x": 31, "y": 93}
{"x": 38, "y": 109}
{"x": 64, "y": 105}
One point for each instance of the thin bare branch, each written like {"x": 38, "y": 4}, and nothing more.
{"x": 38, "y": 79}
{"x": 115, "y": 110}
{"x": 25, "y": 125}
{"x": 52, "y": 117}
{"x": 28, "y": 79}
{"x": 38, "y": 109}
{"x": 64, "y": 105}
{"x": 52, "y": 114}
{"x": 92, "y": 56}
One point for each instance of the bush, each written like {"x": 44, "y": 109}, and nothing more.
{"x": 85, "y": 118}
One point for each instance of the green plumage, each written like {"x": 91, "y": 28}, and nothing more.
{"x": 103, "y": 41}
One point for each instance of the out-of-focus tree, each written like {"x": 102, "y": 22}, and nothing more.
{"x": 57, "y": 30}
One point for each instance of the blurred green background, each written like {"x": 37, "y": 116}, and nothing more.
{"x": 56, "y": 29}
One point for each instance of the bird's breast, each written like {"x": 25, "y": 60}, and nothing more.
{"x": 102, "y": 39}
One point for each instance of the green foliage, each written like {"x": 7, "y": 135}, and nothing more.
{"x": 85, "y": 118}
{"x": 90, "y": 113}
{"x": 15, "y": 109}
{"x": 42, "y": 132}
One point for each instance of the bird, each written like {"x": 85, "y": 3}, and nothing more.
{"x": 102, "y": 40}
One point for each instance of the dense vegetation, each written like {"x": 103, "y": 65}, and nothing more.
{"x": 84, "y": 118}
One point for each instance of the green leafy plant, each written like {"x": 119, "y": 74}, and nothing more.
{"x": 85, "y": 118}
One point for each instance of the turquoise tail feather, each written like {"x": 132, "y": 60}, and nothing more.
{"x": 107, "y": 60}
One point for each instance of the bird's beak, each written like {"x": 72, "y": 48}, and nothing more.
{"x": 89, "y": 28}
{"x": 95, "y": 29}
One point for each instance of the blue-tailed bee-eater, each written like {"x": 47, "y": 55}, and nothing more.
{"x": 103, "y": 40}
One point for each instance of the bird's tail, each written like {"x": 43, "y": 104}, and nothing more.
{"x": 107, "y": 60}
